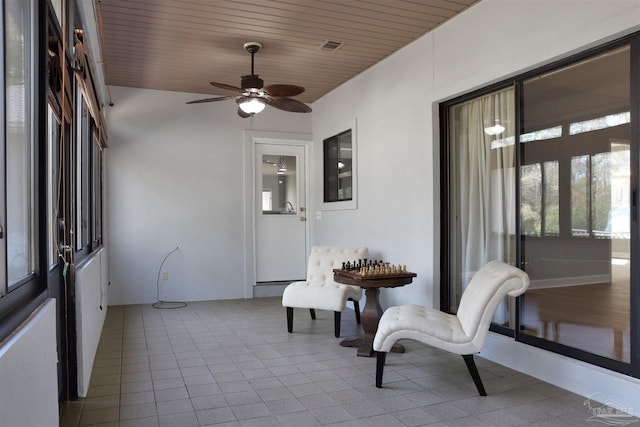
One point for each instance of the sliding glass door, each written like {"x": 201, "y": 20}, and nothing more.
{"x": 575, "y": 205}
{"x": 541, "y": 171}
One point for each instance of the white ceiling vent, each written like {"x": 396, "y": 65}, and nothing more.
{"x": 331, "y": 46}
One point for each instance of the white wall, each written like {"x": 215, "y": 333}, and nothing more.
{"x": 396, "y": 204}
{"x": 28, "y": 373}
{"x": 176, "y": 178}
{"x": 395, "y": 104}
{"x": 91, "y": 283}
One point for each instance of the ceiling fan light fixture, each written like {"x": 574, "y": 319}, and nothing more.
{"x": 252, "y": 105}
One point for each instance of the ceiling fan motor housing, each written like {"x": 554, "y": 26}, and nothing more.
{"x": 252, "y": 83}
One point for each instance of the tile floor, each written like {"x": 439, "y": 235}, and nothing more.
{"x": 232, "y": 363}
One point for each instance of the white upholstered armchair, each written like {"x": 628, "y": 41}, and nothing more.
{"x": 462, "y": 333}
{"x": 319, "y": 291}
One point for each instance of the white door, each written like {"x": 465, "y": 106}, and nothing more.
{"x": 281, "y": 215}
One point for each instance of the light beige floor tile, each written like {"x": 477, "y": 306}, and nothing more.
{"x": 174, "y": 407}
{"x": 210, "y": 364}
{"x": 182, "y": 419}
{"x": 298, "y": 419}
{"x": 209, "y": 402}
{"x": 242, "y": 398}
{"x": 141, "y": 410}
{"x": 95, "y": 416}
{"x": 127, "y": 399}
{"x": 216, "y": 415}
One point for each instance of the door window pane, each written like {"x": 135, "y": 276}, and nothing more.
{"x": 279, "y": 184}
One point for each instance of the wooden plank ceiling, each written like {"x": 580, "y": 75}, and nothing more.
{"x": 182, "y": 45}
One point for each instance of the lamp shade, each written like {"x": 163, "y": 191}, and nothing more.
{"x": 252, "y": 105}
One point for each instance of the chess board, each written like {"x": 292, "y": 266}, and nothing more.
{"x": 372, "y": 270}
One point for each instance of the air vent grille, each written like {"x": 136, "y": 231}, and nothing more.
{"x": 331, "y": 46}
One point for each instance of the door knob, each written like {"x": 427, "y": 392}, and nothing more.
{"x": 303, "y": 218}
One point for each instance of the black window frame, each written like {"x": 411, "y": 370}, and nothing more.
{"x": 22, "y": 299}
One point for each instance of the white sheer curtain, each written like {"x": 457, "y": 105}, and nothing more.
{"x": 481, "y": 188}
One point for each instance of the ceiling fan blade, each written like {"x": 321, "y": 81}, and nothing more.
{"x": 288, "y": 104}
{"x": 283, "y": 90}
{"x": 243, "y": 114}
{"x": 199, "y": 101}
{"x": 225, "y": 86}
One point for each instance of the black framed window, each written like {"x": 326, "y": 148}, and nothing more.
{"x": 88, "y": 182}
{"x": 54, "y": 130}
{"x": 22, "y": 128}
{"x": 96, "y": 192}
{"x": 82, "y": 175}
{"x": 18, "y": 215}
{"x": 338, "y": 167}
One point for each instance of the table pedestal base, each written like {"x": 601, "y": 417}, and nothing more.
{"x": 369, "y": 317}
{"x": 372, "y": 310}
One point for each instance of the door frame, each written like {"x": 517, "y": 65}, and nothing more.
{"x": 251, "y": 138}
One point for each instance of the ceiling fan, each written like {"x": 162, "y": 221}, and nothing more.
{"x": 253, "y": 96}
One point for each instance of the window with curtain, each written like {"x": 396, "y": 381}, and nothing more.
{"x": 481, "y": 188}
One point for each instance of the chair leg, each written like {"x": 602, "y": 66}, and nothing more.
{"x": 290, "y": 319}
{"x": 473, "y": 370}
{"x": 337, "y": 317}
{"x": 380, "y": 360}
{"x": 356, "y": 308}
{"x": 313, "y": 313}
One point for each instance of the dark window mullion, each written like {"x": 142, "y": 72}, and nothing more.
{"x": 634, "y": 290}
